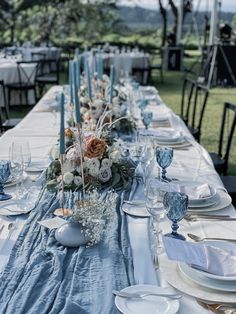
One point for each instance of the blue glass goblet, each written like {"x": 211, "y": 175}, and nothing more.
{"x": 176, "y": 205}
{"x": 5, "y": 171}
{"x": 143, "y": 104}
{"x": 147, "y": 118}
{"x": 164, "y": 157}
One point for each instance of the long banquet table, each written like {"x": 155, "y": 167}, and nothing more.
{"x": 40, "y": 128}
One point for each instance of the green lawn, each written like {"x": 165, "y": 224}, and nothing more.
{"x": 170, "y": 92}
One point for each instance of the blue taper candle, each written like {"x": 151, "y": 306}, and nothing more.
{"x": 71, "y": 80}
{"x": 112, "y": 77}
{"x": 78, "y": 71}
{"x": 76, "y": 97}
{"x": 89, "y": 86}
{"x": 62, "y": 125}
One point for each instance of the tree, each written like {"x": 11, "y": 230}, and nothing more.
{"x": 10, "y": 11}
{"x": 187, "y": 9}
{"x": 163, "y": 12}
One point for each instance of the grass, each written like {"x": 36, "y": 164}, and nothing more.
{"x": 170, "y": 92}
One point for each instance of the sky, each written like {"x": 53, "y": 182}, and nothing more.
{"x": 227, "y": 5}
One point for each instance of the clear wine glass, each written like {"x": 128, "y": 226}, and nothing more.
{"x": 5, "y": 171}
{"x": 17, "y": 167}
{"x": 164, "y": 156}
{"x": 176, "y": 205}
{"x": 154, "y": 202}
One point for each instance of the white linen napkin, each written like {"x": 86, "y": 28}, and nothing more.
{"x": 204, "y": 257}
{"x": 196, "y": 192}
{"x": 163, "y": 133}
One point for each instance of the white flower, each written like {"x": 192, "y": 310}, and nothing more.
{"x": 73, "y": 154}
{"x": 68, "y": 178}
{"x": 93, "y": 171}
{"x": 77, "y": 180}
{"x": 106, "y": 162}
{"x": 93, "y": 162}
{"x": 83, "y": 110}
{"x": 98, "y": 103}
{"x": 115, "y": 101}
{"x": 105, "y": 174}
{"x": 55, "y": 152}
{"x": 115, "y": 155}
{"x": 68, "y": 166}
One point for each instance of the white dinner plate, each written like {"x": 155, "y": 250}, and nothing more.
{"x": 149, "y": 304}
{"x": 138, "y": 209}
{"x": 224, "y": 245}
{"x": 224, "y": 200}
{"x": 14, "y": 182}
{"x": 202, "y": 280}
{"x": 211, "y": 202}
{"x": 37, "y": 166}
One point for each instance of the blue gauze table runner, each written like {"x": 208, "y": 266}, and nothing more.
{"x": 43, "y": 277}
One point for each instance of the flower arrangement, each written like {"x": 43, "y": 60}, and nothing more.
{"x": 93, "y": 213}
{"x": 103, "y": 166}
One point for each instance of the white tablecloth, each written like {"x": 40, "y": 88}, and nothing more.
{"x": 193, "y": 164}
{"x": 9, "y": 74}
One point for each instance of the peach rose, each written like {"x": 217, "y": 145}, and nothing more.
{"x": 95, "y": 147}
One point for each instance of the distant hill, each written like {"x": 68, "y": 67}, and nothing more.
{"x": 141, "y": 18}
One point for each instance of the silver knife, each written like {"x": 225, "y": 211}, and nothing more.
{"x": 143, "y": 294}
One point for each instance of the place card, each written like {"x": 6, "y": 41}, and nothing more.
{"x": 52, "y": 223}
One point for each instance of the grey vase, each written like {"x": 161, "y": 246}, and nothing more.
{"x": 70, "y": 235}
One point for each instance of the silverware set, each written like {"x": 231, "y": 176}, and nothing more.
{"x": 224, "y": 308}
{"x": 199, "y": 239}
{"x": 200, "y": 217}
{"x": 10, "y": 227}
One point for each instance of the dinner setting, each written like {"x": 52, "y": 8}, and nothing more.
{"x": 110, "y": 199}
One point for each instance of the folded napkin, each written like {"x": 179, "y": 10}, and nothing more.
{"x": 208, "y": 258}
{"x": 196, "y": 192}
{"x": 163, "y": 133}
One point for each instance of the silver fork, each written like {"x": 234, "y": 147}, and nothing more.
{"x": 142, "y": 295}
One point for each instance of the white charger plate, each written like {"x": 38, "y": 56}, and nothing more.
{"x": 202, "y": 280}
{"x": 138, "y": 209}
{"x": 171, "y": 273}
{"x": 14, "y": 182}
{"x": 224, "y": 245}
{"x": 37, "y": 166}
{"x": 224, "y": 200}
{"x": 149, "y": 304}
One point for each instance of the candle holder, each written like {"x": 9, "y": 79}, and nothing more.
{"x": 79, "y": 128}
{"x": 62, "y": 211}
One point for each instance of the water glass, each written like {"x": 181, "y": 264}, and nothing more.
{"x": 176, "y": 204}
{"x": 147, "y": 118}
{"x": 164, "y": 156}
{"x": 17, "y": 166}
{"x": 154, "y": 203}
{"x": 5, "y": 171}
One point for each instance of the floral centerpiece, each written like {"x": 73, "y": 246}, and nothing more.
{"x": 103, "y": 165}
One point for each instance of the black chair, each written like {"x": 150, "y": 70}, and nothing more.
{"x": 25, "y": 82}
{"x": 197, "y": 112}
{"x": 220, "y": 159}
{"x": 187, "y": 98}
{"x": 5, "y": 122}
{"x": 153, "y": 66}
{"x": 48, "y": 79}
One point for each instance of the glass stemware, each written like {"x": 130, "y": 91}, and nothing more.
{"x": 5, "y": 171}
{"x": 147, "y": 118}
{"x": 176, "y": 204}
{"x": 164, "y": 157}
{"x": 17, "y": 166}
{"x": 154, "y": 202}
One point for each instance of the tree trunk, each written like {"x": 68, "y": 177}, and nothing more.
{"x": 175, "y": 13}
{"x": 164, "y": 18}
{"x": 13, "y": 26}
